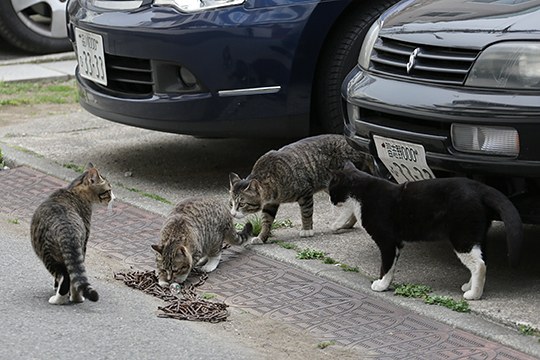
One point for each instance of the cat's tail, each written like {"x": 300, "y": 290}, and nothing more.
{"x": 74, "y": 261}
{"x": 511, "y": 219}
{"x": 243, "y": 236}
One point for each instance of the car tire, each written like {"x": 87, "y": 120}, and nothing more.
{"x": 339, "y": 56}
{"x": 35, "y": 29}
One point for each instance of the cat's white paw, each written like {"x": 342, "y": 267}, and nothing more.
{"x": 256, "y": 241}
{"x": 163, "y": 283}
{"x": 466, "y": 286}
{"x": 472, "y": 295}
{"x": 379, "y": 285}
{"x": 59, "y": 299}
{"x": 306, "y": 233}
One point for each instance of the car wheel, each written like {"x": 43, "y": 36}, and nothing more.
{"x": 338, "y": 57}
{"x": 37, "y": 26}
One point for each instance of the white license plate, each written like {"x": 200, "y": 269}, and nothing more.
{"x": 90, "y": 56}
{"x": 405, "y": 161}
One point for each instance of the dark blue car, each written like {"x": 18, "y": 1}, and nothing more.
{"x": 219, "y": 68}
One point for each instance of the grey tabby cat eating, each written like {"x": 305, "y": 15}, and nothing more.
{"x": 193, "y": 235}
{"x": 293, "y": 173}
{"x": 60, "y": 229}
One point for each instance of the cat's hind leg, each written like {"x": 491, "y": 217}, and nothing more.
{"x": 62, "y": 292}
{"x": 306, "y": 210}
{"x": 347, "y": 217}
{"x": 212, "y": 263}
{"x": 474, "y": 262}
{"x": 390, "y": 257}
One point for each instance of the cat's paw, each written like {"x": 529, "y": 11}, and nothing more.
{"x": 256, "y": 241}
{"x": 59, "y": 299}
{"x": 163, "y": 283}
{"x": 472, "y": 295}
{"x": 306, "y": 233}
{"x": 76, "y": 298}
{"x": 466, "y": 286}
{"x": 379, "y": 285}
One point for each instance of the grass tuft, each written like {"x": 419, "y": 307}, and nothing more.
{"x": 325, "y": 344}
{"x": 310, "y": 254}
{"x": 423, "y": 292}
{"x": 30, "y": 93}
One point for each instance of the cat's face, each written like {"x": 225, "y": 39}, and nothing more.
{"x": 94, "y": 186}
{"x": 245, "y": 196}
{"x": 174, "y": 263}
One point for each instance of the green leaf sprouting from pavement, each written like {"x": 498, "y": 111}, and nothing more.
{"x": 75, "y": 167}
{"x": 151, "y": 196}
{"x": 423, "y": 292}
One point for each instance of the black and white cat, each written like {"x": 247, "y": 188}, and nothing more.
{"x": 456, "y": 209}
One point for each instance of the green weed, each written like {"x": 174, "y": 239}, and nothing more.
{"x": 448, "y": 302}
{"x": 310, "y": 254}
{"x": 423, "y": 292}
{"x": 1, "y": 160}
{"x": 208, "y": 296}
{"x": 148, "y": 195}
{"x": 325, "y": 344}
{"x": 256, "y": 221}
{"x": 528, "y": 330}
{"x": 412, "y": 291}
{"x": 13, "y": 221}
{"x": 329, "y": 260}
{"x": 346, "y": 267}
{"x": 287, "y": 245}
{"x": 75, "y": 167}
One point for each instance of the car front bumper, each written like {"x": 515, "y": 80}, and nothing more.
{"x": 422, "y": 114}
{"x": 243, "y": 60}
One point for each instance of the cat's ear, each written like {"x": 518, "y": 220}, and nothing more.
{"x": 157, "y": 248}
{"x": 93, "y": 176}
{"x": 253, "y": 185}
{"x": 183, "y": 250}
{"x": 349, "y": 166}
{"x": 233, "y": 179}
{"x": 89, "y": 166}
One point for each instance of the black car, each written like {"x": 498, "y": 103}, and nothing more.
{"x": 220, "y": 68}
{"x": 452, "y": 88}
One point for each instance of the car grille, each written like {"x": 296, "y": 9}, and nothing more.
{"x": 129, "y": 76}
{"x": 421, "y": 62}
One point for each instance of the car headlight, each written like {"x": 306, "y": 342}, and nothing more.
{"x": 190, "y": 6}
{"x": 507, "y": 65}
{"x": 367, "y": 45}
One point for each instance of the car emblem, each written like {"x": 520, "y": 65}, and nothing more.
{"x": 412, "y": 60}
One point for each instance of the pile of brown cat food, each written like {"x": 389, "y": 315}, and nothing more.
{"x": 186, "y": 305}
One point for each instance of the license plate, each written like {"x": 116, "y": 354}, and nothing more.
{"x": 90, "y": 56}
{"x": 405, "y": 161}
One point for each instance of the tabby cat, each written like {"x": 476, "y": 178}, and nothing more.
{"x": 293, "y": 173}
{"x": 456, "y": 209}
{"x": 59, "y": 230}
{"x": 193, "y": 235}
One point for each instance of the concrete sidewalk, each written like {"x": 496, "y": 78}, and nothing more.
{"x": 56, "y": 66}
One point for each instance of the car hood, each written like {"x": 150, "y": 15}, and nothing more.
{"x": 462, "y": 23}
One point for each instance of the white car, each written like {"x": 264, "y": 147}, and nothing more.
{"x": 36, "y": 26}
